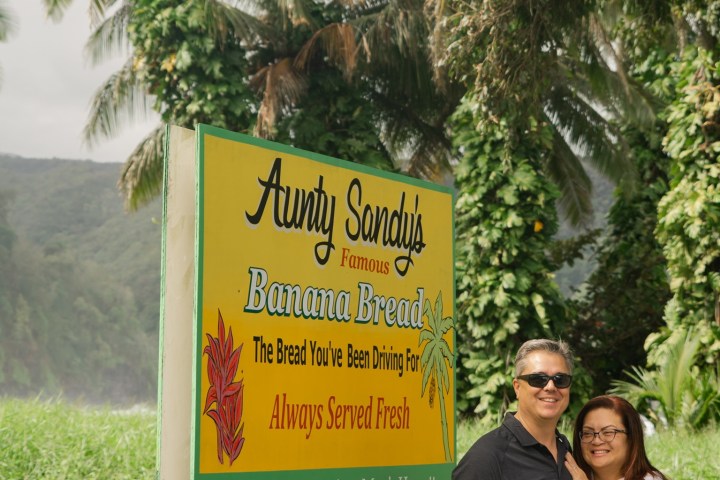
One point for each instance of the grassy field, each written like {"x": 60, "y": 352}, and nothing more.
{"x": 60, "y": 441}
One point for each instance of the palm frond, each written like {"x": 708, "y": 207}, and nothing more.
{"x": 55, "y": 9}
{"x": 7, "y": 23}
{"x": 339, "y": 44}
{"x": 282, "y": 86}
{"x": 120, "y": 99}
{"x": 99, "y": 8}
{"x": 600, "y": 73}
{"x": 641, "y": 388}
{"x": 675, "y": 384}
{"x": 565, "y": 170}
{"x": 298, "y": 12}
{"x": 141, "y": 176}
{"x": 223, "y": 20}
{"x": 430, "y": 157}
{"x": 110, "y": 37}
{"x": 438, "y": 45}
{"x": 674, "y": 379}
{"x": 424, "y": 145}
{"x": 396, "y": 32}
{"x": 591, "y": 136}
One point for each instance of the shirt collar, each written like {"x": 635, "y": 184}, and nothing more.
{"x": 516, "y": 428}
{"x": 522, "y": 435}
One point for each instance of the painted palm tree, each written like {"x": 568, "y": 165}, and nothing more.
{"x": 436, "y": 362}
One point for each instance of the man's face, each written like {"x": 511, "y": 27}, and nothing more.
{"x": 542, "y": 403}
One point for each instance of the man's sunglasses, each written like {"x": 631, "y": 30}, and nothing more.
{"x": 539, "y": 380}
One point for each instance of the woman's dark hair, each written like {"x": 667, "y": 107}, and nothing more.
{"x": 637, "y": 464}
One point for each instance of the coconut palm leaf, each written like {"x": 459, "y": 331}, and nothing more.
{"x": 425, "y": 144}
{"x": 120, "y": 99}
{"x": 224, "y": 20}
{"x": 6, "y": 27}
{"x": 595, "y": 67}
{"x": 567, "y": 172}
{"x": 297, "y": 11}
{"x": 56, "y": 8}
{"x": 378, "y": 46}
{"x": 672, "y": 385}
{"x": 584, "y": 86}
{"x": 141, "y": 176}
{"x": 110, "y": 36}
{"x": 338, "y": 43}
{"x": 396, "y": 38}
{"x": 282, "y": 86}
{"x": 591, "y": 135}
{"x": 7, "y": 24}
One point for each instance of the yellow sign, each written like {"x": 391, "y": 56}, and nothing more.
{"x": 324, "y": 343}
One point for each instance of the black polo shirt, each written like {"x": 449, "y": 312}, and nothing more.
{"x": 510, "y": 453}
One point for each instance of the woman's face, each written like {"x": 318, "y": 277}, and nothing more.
{"x": 602, "y": 455}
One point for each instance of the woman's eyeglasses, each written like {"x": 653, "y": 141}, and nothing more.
{"x": 606, "y": 435}
{"x": 539, "y": 380}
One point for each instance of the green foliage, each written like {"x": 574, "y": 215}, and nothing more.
{"x": 540, "y": 73}
{"x": 677, "y": 393}
{"x": 549, "y": 63}
{"x": 505, "y": 218}
{"x": 622, "y": 302}
{"x": 58, "y": 440}
{"x": 196, "y": 73}
{"x": 347, "y": 80}
{"x": 336, "y": 124}
{"x": 689, "y": 214}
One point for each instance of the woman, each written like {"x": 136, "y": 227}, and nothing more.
{"x": 608, "y": 443}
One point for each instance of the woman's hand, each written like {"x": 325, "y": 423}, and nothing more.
{"x": 575, "y": 471}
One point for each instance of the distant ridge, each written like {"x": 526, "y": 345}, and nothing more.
{"x": 74, "y": 207}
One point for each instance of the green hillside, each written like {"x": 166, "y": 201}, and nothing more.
{"x": 79, "y": 283}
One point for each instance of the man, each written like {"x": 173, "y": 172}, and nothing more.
{"x": 527, "y": 446}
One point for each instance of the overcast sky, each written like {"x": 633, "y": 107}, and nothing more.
{"x": 47, "y": 86}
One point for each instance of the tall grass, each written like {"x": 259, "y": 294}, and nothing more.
{"x": 684, "y": 455}
{"x": 58, "y": 441}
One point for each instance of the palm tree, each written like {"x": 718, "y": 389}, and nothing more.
{"x": 294, "y": 53}
{"x": 677, "y": 393}
{"x": 559, "y": 66}
{"x": 436, "y": 361}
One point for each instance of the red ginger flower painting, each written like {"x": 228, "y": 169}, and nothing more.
{"x": 225, "y": 394}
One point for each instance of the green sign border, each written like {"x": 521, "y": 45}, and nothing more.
{"x": 407, "y": 472}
